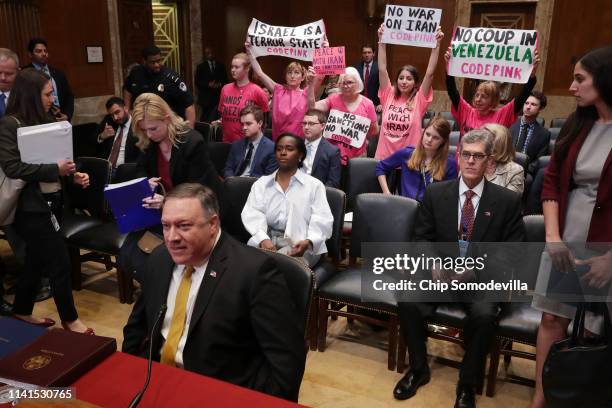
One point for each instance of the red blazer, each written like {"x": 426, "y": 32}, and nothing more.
{"x": 558, "y": 183}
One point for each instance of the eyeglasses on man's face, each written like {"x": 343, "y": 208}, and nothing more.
{"x": 310, "y": 124}
{"x": 476, "y": 156}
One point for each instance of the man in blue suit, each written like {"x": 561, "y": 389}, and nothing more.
{"x": 322, "y": 158}
{"x": 254, "y": 155}
{"x": 368, "y": 71}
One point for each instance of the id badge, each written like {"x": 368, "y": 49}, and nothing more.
{"x": 463, "y": 246}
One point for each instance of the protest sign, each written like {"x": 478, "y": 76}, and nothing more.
{"x": 329, "y": 61}
{"x": 347, "y": 128}
{"x": 494, "y": 54}
{"x": 414, "y": 26}
{"x": 292, "y": 42}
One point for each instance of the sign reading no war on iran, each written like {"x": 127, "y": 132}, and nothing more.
{"x": 292, "y": 42}
{"x": 346, "y": 128}
{"x": 414, "y": 26}
{"x": 493, "y": 54}
{"x": 329, "y": 61}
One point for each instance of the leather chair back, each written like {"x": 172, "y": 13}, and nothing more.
{"x": 557, "y": 122}
{"x": 125, "y": 172}
{"x": 299, "y": 280}
{"x": 540, "y": 120}
{"x": 337, "y": 201}
{"x": 218, "y": 152}
{"x": 361, "y": 178}
{"x": 382, "y": 218}
{"x": 534, "y": 228}
{"x": 551, "y": 146}
{"x": 554, "y": 132}
{"x": 204, "y": 129}
{"x": 452, "y": 150}
{"x": 372, "y": 145}
{"x": 84, "y": 140}
{"x": 454, "y": 138}
{"x": 91, "y": 198}
{"x": 543, "y": 162}
{"x": 522, "y": 159}
{"x": 236, "y": 191}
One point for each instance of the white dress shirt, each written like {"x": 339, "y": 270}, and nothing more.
{"x": 268, "y": 206}
{"x": 310, "y": 156}
{"x": 247, "y": 171}
{"x": 196, "y": 281}
{"x": 475, "y": 198}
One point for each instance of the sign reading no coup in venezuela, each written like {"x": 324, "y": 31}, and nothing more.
{"x": 346, "y": 128}
{"x": 292, "y": 42}
{"x": 493, "y": 54}
{"x": 414, "y": 26}
{"x": 329, "y": 61}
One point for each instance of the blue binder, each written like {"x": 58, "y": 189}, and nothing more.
{"x": 125, "y": 200}
{"x": 15, "y": 334}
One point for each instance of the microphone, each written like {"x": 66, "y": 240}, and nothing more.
{"x": 138, "y": 397}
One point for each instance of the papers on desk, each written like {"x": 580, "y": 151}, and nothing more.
{"x": 46, "y": 143}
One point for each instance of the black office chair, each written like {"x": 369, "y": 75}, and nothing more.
{"x": 204, "y": 129}
{"x": 218, "y": 152}
{"x": 554, "y": 133}
{"x": 361, "y": 178}
{"x": 372, "y": 145}
{"x": 236, "y": 191}
{"x": 85, "y": 140}
{"x": 377, "y": 218}
{"x": 454, "y": 138}
{"x": 125, "y": 172}
{"x": 522, "y": 159}
{"x": 557, "y": 122}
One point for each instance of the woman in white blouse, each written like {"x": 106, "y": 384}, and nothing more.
{"x": 288, "y": 209}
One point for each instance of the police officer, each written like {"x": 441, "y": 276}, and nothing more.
{"x": 153, "y": 77}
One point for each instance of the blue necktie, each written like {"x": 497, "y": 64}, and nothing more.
{"x": 2, "y": 104}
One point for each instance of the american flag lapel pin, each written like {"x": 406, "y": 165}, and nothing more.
{"x": 213, "y": 274}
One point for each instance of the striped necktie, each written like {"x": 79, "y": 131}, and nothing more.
{"x": 177, "y": 325}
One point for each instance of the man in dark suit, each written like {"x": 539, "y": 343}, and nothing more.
{"x": 368, "y": 71}
{"x": 468, "y": 209}
{"x": 322, "y": 158}
{"x": 116, "y": 141}
{"x": 528, "y": 136}
{"x": 229, "y": 312}
{"x": 64, "y": 99}
{"x": 254, "y": 155}
{"x": 210, "y": 77}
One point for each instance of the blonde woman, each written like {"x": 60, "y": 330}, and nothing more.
{"x": 172, "y": 154}
{"x": 503, "y": 171}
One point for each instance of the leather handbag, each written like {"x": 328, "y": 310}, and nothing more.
{"x": 9, "y": 194}
{"x": 577, "y": 370}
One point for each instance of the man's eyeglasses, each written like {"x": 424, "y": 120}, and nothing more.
{"x": 476, "y": 156}
{"x": 310, "y": 124}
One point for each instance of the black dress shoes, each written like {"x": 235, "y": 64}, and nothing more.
{"x": 466, "y": 397}
{"x": 410, "y": 383}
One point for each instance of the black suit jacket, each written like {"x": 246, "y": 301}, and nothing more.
{"x": 326, "y": 166}
{"x": 103, "y": 149}
{"x": 208, "y": 96}
{"x": 66, "y": 98}
{"x": 244, "y": 328}
{"x": 498, "y": 218}
{"x": 373, "y": 81}
{"x": 538, "y": 144}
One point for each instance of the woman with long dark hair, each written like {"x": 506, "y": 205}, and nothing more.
{"x": 39, "y": 209}
{"x": 577, "y": 199}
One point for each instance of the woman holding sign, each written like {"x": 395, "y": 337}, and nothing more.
{"x": 426, "y": 164}
{"x": 484, "y": 108}
{"x": 350, "y": 101}
{"x": 39, "y": 208}
{"x": 289, "y": 101}
{"x": 577, "y": 201}
{"x": 236, "y": 96}
{"x": 405, "y": 103}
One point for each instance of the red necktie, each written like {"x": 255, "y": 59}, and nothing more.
{"x": 366, "y": 77}
{"x": 467, "y": 216}
{"x": 114, "y": 154}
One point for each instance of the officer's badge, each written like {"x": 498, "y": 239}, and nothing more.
{"x": 183, "y": 87}
{"x": 160, "y": 87}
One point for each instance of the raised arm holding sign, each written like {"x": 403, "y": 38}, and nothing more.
{"x": 293, "y": 42}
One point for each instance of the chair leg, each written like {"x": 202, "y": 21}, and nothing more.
{"x": 493, "y": 367}
{"x": 392, "y": 353}
{"x": 401, "y": 353}
{"x": 75, "y": 267}
{"x": 108, "y": 264}
{"x": 508, "y": 357}
{"x": 323, "y": 304}
{"x": 126, "y": 286}
{"x": 313, "y": 323}
{"x": 350, "y": 309}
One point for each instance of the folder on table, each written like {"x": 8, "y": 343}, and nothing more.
{"x": 15, "y": 334}
{"x": 46, "y": 143}
{"x": 125, "y": 200}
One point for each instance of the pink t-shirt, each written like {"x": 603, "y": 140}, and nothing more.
{"x": 233, "y": 99}
{"x": 468, "y": 118}
{"x": 288, "y": 109}
{"x": 365, "y": 109}
{"x": 400, "y": 126}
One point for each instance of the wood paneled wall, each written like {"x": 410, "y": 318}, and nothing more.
{"x": 19, "y": 21}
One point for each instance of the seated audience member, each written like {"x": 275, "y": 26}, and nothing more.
{"x": 502, "y": 170}
{"x": 484, "y": 105}
{"x": 528, "y": 136}
{"x": 172, "y": 153}
{"x": 482, "y": 212}
{"x": 288, "y": 210}
{"x": 348, "y": 100}
{"x": 322, "y": 158}
{"x": 254, "y": 154}
{"x": 427, "y": 163}
{"x": 242, "y": 328}
{"x": 116, "y": 140}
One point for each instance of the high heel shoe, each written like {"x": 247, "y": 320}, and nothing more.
{"x": 89, "y": 331}
{"x": 47, "y": 322}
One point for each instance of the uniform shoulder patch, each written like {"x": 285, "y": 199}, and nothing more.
{"x": 183, "y": 87}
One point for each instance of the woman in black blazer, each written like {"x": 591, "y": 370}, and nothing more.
{"x": 173, "y": 154}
